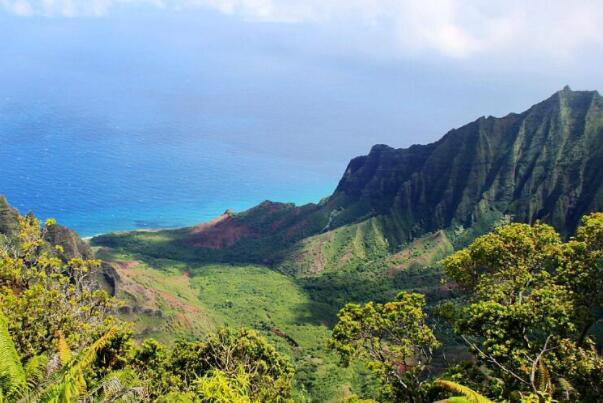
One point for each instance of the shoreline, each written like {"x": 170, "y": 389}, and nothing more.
{"x": 89, "y": 237}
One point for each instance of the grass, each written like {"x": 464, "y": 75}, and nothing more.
{"x": 259, "y": 297}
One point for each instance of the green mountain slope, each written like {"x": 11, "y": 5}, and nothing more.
{"x": 543, "y": 164}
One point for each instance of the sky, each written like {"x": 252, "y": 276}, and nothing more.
{"x": 342, "y": 73}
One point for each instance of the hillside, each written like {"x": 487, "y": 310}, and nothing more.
{"x": 542, "y": 164}
{"x": 393, "y": 216}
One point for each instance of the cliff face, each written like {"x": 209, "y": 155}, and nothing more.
{"x": 71, "y": 242}
{"x": 544, "y": 164}
{"x": 8, "y": 218}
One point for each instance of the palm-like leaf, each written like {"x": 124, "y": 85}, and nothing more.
{"x": 71, "y": 384}
{"x": 13, "y": 381}
{"x": 469, "y": 394}
{"x": 63, "y": 349}
{"x": 121, "y": 384}
{"x": 36, "y": 371}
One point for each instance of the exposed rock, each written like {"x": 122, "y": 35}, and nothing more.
{"x": 73, "y": 246}
{"x": 9, "y": 223}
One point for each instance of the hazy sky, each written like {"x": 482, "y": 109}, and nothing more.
{"x": 286, "y": 75}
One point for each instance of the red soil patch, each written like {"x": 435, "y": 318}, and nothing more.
{"x": 264, "y": 220}
{"x": 207, "y": 225}
{"x": 219, "y": 233}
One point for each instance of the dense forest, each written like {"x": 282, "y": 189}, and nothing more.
{"x": 525, "y": 309}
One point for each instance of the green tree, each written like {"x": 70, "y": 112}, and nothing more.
{"x": 40, "y": 294}
{"x": 218, "y": 386}
{"x": 233, "y": 352}
{"x": 529, "y": 295}
{"x": 394, "y": 339}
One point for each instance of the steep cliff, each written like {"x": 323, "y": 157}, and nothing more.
{"x": 543, "y": 164}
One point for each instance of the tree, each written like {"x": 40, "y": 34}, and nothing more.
{"x": 530, "y": 295}
{"x": 152, "y": 362}
{"x": 234, "y": 353}
{"x": 579, "y": 267}
{"x": 34, "y": 278}
{"x": 393, "y": 338}
{"x": 217, "y": 386}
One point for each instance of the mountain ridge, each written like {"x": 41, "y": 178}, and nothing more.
{"x": 483, "y": 155}
{"x": 541, "y": 164}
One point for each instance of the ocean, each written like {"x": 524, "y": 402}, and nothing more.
{"x": 110, "y": 124}
{"x": 97, "y": 179}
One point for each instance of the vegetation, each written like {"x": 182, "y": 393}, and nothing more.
{"x": 33, "y": 278}
{"x": 528, "y": 304}
{"x": 244, "y": 309}
{"x": 60, "y": 343}
{"x": 532, "y": 301}
{"x": 395, "y": 340}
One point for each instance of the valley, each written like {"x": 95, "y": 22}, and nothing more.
{"x": 383, "y": 240}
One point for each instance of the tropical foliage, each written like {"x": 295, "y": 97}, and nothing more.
{"x": 41, "y": 294}
{"x": 395, "y": 340}
{"x": 526, "y": 307}
{"x": 531, "y": 302}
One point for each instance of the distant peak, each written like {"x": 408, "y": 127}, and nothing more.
{"x": 377, "y": 148}
{"x": 3, "y": 202}
{"x": 566, "y": 89}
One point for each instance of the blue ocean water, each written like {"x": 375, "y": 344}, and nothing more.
{"x": 97, "y": 179}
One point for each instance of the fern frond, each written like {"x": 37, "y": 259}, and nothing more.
{"x": 88, "y": 356}
{"x": 63, "y": 349}
{"x": 470, "y": 395}
{"x": 70, "y": 385}
{"x": 13, "y": 381}
{"x": 36, "y": 370}
{"x": 543, "y": 378}
{"x": 566, "y": 387}
{"x": 458, "y": 399}
{"x": 120, "y": 384}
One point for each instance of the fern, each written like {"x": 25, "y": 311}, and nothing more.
{"x": 63, "y": 349}
{"x": 13, "y": 381}
{"x": 36, "y": 370}
{"x": 71, "y": 385}
{"x": 120, "y": 384}
{"x": 469, "y": 394}
{"x": 566, "y": 387}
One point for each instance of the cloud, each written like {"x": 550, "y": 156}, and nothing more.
{"x": 68, "y": 8}
{"x": 450, "y": 28}
{"x": 21, "y": 8}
